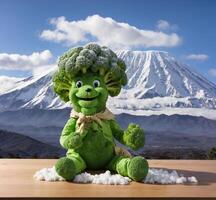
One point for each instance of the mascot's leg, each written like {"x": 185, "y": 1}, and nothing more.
{"x": 135, "y": 168}
{"x": 68, "y": 167}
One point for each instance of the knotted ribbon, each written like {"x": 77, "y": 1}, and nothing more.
{"x": 82, "y": 119}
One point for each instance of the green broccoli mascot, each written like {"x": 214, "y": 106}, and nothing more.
{"x": 86, "y": 77}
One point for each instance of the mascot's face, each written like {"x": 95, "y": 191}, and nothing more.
{"x": 88, "y": 93}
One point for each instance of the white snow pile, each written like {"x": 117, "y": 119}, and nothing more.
{"x": 162, "y": 176}
{"x": 105, "y": 178}
{"x": 155, "y": 176}
{"x": 49, "y": 174}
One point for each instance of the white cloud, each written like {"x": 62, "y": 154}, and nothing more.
{"x": 197, "y": 57}
{"x": 44, "y": 69}
{"x": 107, "y": 31}
{"x": 212, "y": 72}
{"x": 7, "y": 83}
{"x": 24, "y": 62}
{"x": 165, "y": 25}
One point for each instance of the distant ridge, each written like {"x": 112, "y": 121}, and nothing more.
{"x": 17, "y": 145}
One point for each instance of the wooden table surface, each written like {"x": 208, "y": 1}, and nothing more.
{"x": 16, "y": 180}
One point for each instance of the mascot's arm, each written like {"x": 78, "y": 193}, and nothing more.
{"x": 70, "y": 139}
{"x": 132, "y": 137}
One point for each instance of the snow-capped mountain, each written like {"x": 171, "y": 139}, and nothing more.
{"x": 156, "y": 83}
{"x": 159, "y": 84}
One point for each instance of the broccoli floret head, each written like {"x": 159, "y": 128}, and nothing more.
{"x": 90, "y": 58}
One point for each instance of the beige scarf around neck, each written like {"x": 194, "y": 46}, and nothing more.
{"x": 82, "y": 119}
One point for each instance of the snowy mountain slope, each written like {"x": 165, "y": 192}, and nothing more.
{"x": 156, "y": 82}
{"x": 156, "y": 73}
{"x": 34, "y": 92}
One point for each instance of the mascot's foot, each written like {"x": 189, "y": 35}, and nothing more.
{"x": 137, "y": 168}
{"x": 65, "y": 168}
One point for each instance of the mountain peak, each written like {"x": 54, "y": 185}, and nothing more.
{"x": 123, "y": 53}
{"x": 142, "y": 52}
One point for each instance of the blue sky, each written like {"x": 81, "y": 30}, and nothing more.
{"x": 188, "y": 29}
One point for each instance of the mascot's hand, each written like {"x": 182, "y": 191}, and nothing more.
{"x": 74, "y": 141}
{"x": 134, "y": 137}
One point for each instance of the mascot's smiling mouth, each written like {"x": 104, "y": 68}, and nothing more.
{"x": 87, "y": 98}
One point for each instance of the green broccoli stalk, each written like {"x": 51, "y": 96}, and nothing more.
{"x": 90, "y": 58}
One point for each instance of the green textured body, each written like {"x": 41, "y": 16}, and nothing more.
{"x": 96, "y": 150}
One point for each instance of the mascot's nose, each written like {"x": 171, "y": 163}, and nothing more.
{"x": 88, "y": 90}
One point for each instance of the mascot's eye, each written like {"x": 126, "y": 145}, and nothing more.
{"x": 79, "y": 84}
{"x": 96, "y": 83}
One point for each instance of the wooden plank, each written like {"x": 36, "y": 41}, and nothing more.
{"x": 16, "y": 180}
